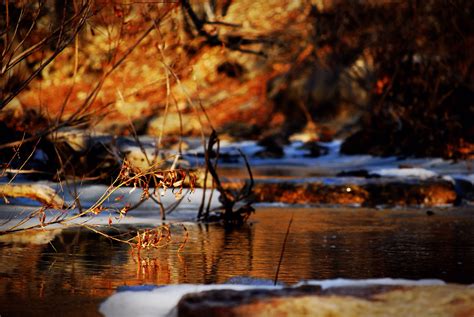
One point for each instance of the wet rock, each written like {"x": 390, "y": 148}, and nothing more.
{"x": 247, "y": 280}
{"x": 371, "y": 300}
{"x": 34, "y": 155}
{"x": 78, "y": 140}
{"x": 273, "y": 146}
{"x": 314, "y": 149}
{"x": 430, "y": 213}
{"x": 241, "y": 130}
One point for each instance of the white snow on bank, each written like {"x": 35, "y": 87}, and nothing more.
{"x": 162, "y": 301}
{"x": 148, "y": 212}
{"x": 332, "y": 163}
{"x": 415, "y": 172}
{"x": 295, "y": 166}
{"x": 379, "y": 281}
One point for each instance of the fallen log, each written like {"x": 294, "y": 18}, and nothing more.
{"x": 39, "y": 192}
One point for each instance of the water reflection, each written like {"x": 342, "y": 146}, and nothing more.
{"x": 78, "y": 268}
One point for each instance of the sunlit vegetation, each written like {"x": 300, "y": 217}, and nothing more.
{"x": 138, "y": 139}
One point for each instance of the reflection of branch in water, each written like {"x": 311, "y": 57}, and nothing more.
{"x": 220, "y": 244}
{"x": 184, "y": 274}
{"x": 147, "y": 269}
{"x": 161, "y": 270}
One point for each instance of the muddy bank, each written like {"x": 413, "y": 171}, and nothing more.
{"x": 365, "y": 193}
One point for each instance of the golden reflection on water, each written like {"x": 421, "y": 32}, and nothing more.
{"x": 78, "y": 268}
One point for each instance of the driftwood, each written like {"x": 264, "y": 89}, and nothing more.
{"x": 42, "y": 193}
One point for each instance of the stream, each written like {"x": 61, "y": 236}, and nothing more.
{"x": 72, "y": 270}
{"x": 77, "y": 269}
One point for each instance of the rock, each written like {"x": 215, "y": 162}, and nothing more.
{"x": 273, "y": 145}
{"x": 35, "y": 159}
{"x": 240, "y": 130}
{"x": 142, "y": 157}
{"x": 430, "y": 213}
{"x": 78, "y": 139}
{"x": 190, "y": 125}
{"x": 315, "y": 149}
{"x": 371, "y": 300}
{"x": 131, "y": 109}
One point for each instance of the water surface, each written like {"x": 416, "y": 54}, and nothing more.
{"x": 75, "y": 271}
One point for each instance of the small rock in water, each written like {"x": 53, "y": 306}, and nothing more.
{"x": 246, "y": 280}
{"x": 273, "y": 146}
{"x": 314, "y": 149}
{"x": 136, "y": 288}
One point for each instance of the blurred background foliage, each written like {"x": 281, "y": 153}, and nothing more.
{"x": 390, "y": 77}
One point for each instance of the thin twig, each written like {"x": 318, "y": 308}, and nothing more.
{"x": 283, "y": 250}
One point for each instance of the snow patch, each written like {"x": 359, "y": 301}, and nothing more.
{"x": 341, "y": 282}
{"x": 415, "y": 172}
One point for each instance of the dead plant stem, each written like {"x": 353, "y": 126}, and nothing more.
{"x": 283, "y": 250}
